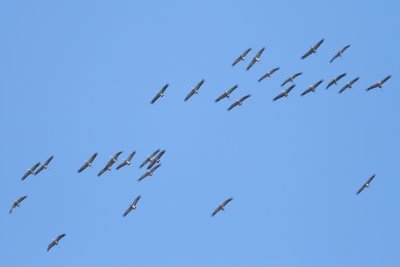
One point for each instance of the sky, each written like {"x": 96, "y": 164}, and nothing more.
{"x": 77, "y": 78}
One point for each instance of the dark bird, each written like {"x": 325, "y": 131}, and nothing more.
{"x": 313, "y": 49}
{"x": 156, "y": 159}
{"x": 238, "y": 102}
{"x": 17, "y": 203}
{"x": 241, "y": 57}
{"x": 44, "y": 165}
{"x": 195, "y": 90}
{"x": 312, "y": 88}
{"x": 349, "y": 84}
{"x": 291, "y": 78}
{"x": 334, "y": 81}
{"x": 149, "y": 158}
{"x": 221, "y": 206}
{"x": 127, "y": 161}
{"x": 268, "y": 74}
{"x": 88, "y": 163}
{"x": 55, "y": 242}
{"x": 30, "y": 171}
{"x": 339, "y": 53}
{"x": 256, "y": 58}
{"x": 379, "y": 84}
{"x": 226, "y": 93}
{"x": 132, "y": 206}
{"x": 366, "y": 184}
{"x": 110, "y": 163}
{"x": 159, "y": 94}
{"x": 149, "y": 172}
{"x": 284, "y": 93}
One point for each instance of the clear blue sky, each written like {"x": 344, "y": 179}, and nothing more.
{"x": 76, "y": 77}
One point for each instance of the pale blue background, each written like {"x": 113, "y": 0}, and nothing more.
{"x": 76, "y": 77}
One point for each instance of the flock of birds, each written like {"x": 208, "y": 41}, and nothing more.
{"x": 153, "y": 160}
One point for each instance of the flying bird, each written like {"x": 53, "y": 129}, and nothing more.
{"x": 379, "y": 84}
{"x": 195, "y": 90}
{"x": 44, "y": 165}
{"x": 30, "y": 171}
{"x": 366, "y": 184}
{"x": 291, "y": 78}
{"x": 238, "y": 102}
{"x": 313, "y": 49}
{"x": 256, "y": 58}
{"x": 88, "y": 163}
{"x": 221, "y": 206}
{"x": 241, "y": 57}
{"x": 159, "y": 94}
{"x": 334, "y": 81}
{"x": 284, "y": 93}
{"x": 126, "y": 161}
{"x": 149, "y": 158}
{"x": 55, "y": 242}
{"x": 149, "y": 172}
{"x": 268, "y": 74}
{"x": 110, "y": 163}
{"x": 17, "y": 203}
{"x": 349, "y": 84}
{"x": 312, "y": 88}
{"x": 226, "y": 93}
{"x": 132, "y": 206}
{"x": 156, "y": 159}
{"x": 339, "y": 53}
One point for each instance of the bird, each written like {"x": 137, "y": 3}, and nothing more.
{"x": 379, "y": 84}
{"x": 17, "y": 203}
{"x": 195, "y": 90}
{"x": 149, "y": 158}
{"x": 334, "y": 81}
{"x": 131, "y": 206}
{"x": 149, "y": 172}
{"x": 55, "y": 242}
{"x": 238, "y": 102}
{"x": 159, "y": 94}
{"x": 110, "y": 163}
{"x": 226, "y": 93}
{"x": 126, "y": 161}
{"x": 268, "y": 74}
{"x": 221, "y": 206}
{"x": 366, "y": 184}
{"x": 44, "y": 165}
{"x": 312, "y": 88}
{"x": 256, "y": 58}
{"x": 30, "y": 171}
{"x": 88, "y": 163}
{"x": 241, "y": 57}
{"x": 313, "y": 49}
{"x": 291, "y": 78}
{"x": 349, "y": 84}
{"x": 156, "y": 159}
{"x": 339, "y": 53}
{"x": 284, "y": 93}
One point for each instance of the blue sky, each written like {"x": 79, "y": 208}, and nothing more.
{"x": 77, "y": 78}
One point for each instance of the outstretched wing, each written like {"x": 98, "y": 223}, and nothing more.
{"x": 189, "y": 95}
{"x": 41, "y": 168}
{"x": 117, "y": 155}
{"x": 385, "y": 79}
{"x": 317, "y": 84}
{"x": 330, "y": 83}
{"x": 371, "y": 178}
{"x": 30, "y": 171}
{"x": 52, "y": 244}
{"x": 307, "y": 91}
{"x": 375, "y": 85}
{"x": 127, "y": 211}
{"x": 226, "y": 202}
{"x": 361, "y": 189}
{"x": 144, "y": 175}
{"x": 216, "y": 210}
{"x": 279, "y": 96}
{"x": 296, "y": 75}
{"x": 251, "y": 63}
{"x": 233, "y": 105}
{"x": 287, "y": 91}
{"x": 237, "y": 60}
{"x": 84, "y": 166}
{"x": 335, "y": 57}
{"x": 103, "y": 170}
{"x": 121, "y": 165}
{"x": 221, "y": 97}
{"x": 344, "y": 88}
{"x": 317, "y": 45}
{"x": 309, "y": 52}
{"x": 264, "y": 76}
{"x": 157, "y": 96}
{"x": 260, "y": 53}
{"x": 354, "y": 80}
{"x": 155, "y": 168}
{"x": 244, "y": 98}
{"x": 92, "y": 157}
{"x": 244, "y": 54}
{"x": 136, "y": 200}
{"x": 286, "y": 81}
{"x": 60, "y": 237}
{"x": 156, "y": 159}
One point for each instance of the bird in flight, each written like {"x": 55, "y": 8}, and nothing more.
{"x": 268, "y": 74}
{"x": 291, "y": 78}
{"x": 366, "y": 184}
{"x": 379, "y": 84}
{"x": 334, "y": 81}
{"x": 156, "y": 159}
{"x": 30, "y": 171}
{"x": 312, "y": 88}
{"x": 159, "y": 94}
{"x": 238, "y": 102}
{"x": 110, "y": 163}
{"x": 55, "y": 242}
{"x": 17, "y": 203}
{"x": 339, "y": 53}
{"x": 241, "y": 57}
{"x": 149, "y": 172}
{"x": 221, "y": 206}
{"x": 226, "y": 93}
{"x": 44, "y": 165}
{"x": 149, "y": 158}
{"x": 349, "y": 84}
{"x": 313, "y": 49}
{"x": 88, "y": 163}
{"x": 131, "y": 206}
{"x": 195, "y": 90}
{"x": 127, "y": 161}
{"x": 256, "y": 58}
{"x": 284, "y": 93}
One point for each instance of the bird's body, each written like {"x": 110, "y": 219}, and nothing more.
{"x": 255, "y": 59}
{"x": 334, "y": 81}
{"x": 159, "y": 94}
{"x": 349, "y": 85}
{"x": 238, "y": 102}
{"x": 149, "y": 158}
{"x": 379, "y": 84}
{"x": 366, "y": 184}
{"x": 268, "y": 74}
{"x": 221, "y": 206}
{"x": 226, "y": 93}
{"x": 291, "y": 78}
{"x": 312, "y": 88}
{"x": 30, "y": 171}
{"x": 241, "y": 57}
{"x": 284, "y": 93}
{"x": 44, "y": 165}
{"x": 55, "y": 242}
{"x": 339, "y": 53}
{"x": 149, "y": 172}
{"x": 313, "y": 49}
{"x": 127, "y": 161}
{"x": 195, "y": 90}
{"x": 110, "y": 163}
{"x": 132, "y": 206}
{"x": 17, "y": 203}
{"x": 88, "y": 163}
